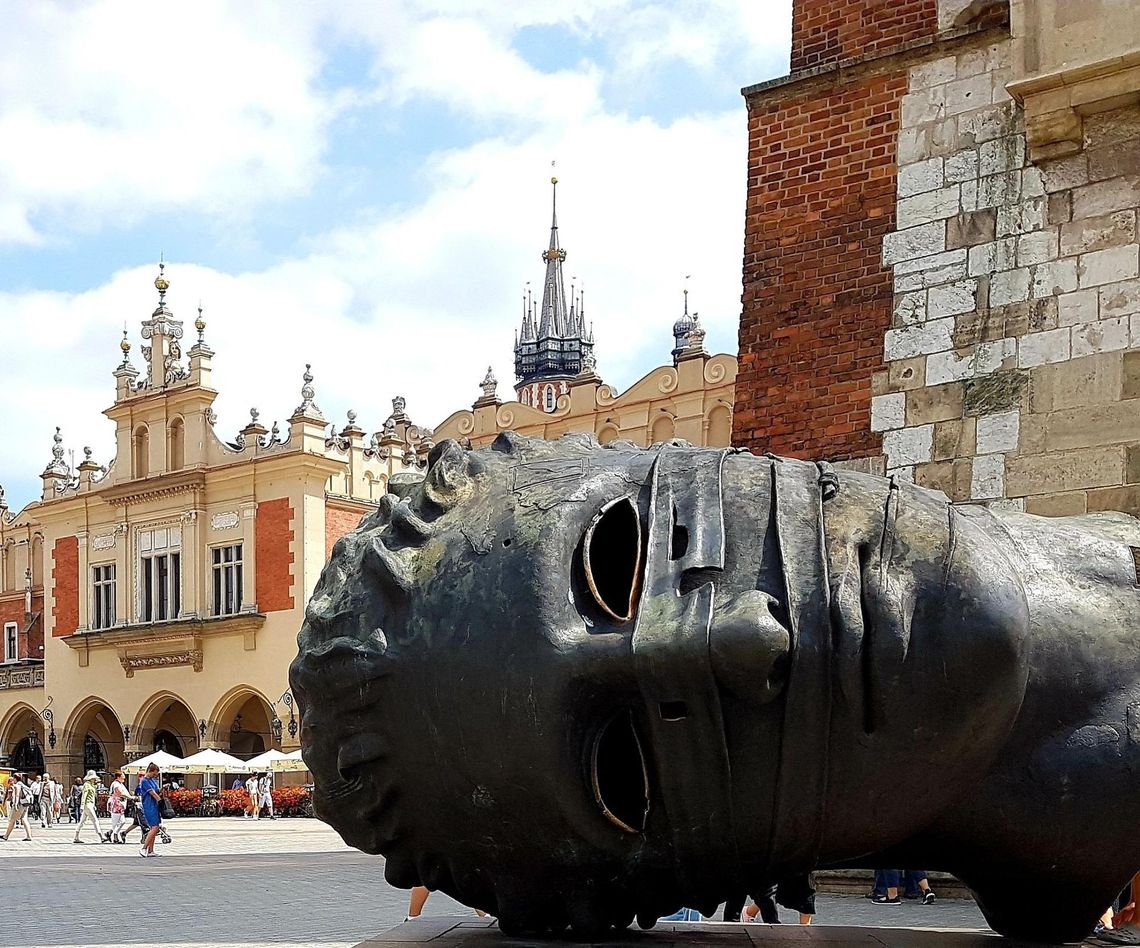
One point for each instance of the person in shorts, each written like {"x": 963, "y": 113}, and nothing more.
{"x": 151, "y": 809}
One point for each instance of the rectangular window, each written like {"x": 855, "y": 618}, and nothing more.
{"x": 226, "y": 566}
{"x": 11, "y": 642}
{"x": 160, "y": 575}
{"x": 103, "y": 589}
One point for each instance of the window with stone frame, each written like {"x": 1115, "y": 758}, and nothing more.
{"x": 11, "y": 642}
{"x": 103, "y": 596}
{"x": 227, "y": 575}
{"x": 159, "y": 576}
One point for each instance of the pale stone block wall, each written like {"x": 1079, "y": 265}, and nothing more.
{"x": 1013, "y": 360}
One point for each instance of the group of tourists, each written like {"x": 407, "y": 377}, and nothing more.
{"x": 260, "y": 790}
{"x": 28, "y": 798}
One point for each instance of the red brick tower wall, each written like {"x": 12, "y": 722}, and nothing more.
{"x": 273, "y": 534}
{"x": 828, "y": 32}
{"x": 65, "y": 585}
{"x": 340, "y": 520}
{"x": 821, "y": 196}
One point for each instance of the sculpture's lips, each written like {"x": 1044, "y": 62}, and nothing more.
{"x": 339, "y": 740}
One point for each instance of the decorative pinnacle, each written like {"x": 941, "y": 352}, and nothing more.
{"x": 57, "y": 446}
{"x": 125, "y": 346}
{"x": 86, "y": 454}
{"x": 3, "y": 499}
{"x": 351, "y": 417}
{"x": 489, "y": 384}
{"x": 308, "y": 393}
{"x": 253, "y": 415}
{"x": 200, "y": 323}
{"x": 160, "y": 282}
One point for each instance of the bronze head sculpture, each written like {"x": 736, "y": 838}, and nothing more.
{"x": 572, "y": 684}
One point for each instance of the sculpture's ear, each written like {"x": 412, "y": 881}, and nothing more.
{"x": 449, "y": 474}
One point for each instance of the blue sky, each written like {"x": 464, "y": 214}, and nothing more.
{"x": 359, "y": 185}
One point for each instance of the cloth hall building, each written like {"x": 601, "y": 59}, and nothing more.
{"x": 153, "y": 602}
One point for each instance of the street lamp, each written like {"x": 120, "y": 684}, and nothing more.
{"x": 49, "y": 718}
{"x": 287, "y": 700}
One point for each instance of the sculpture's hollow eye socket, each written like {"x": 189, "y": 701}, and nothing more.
{"x": 611, "y": 558}
{"x": 619, "y": 776}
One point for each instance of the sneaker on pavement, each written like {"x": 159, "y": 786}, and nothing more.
{"x": 886, "y": 900}
{"x": 929, "y": 898}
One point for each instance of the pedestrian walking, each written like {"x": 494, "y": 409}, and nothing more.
{"x": 35, "y": 787}
{"x": 117, "y": 806}
{"x": 47, "y": 793}
{"x": 56, "y": 800}
{"x": 87, "y": 812}
{"x": 265, "y": 788}
{"x": 134, "y": 810}
{"x": 19, "y": 798}
{"x": 74, "y": 799}
{"x": 251, "y": 786}
{"x": 151, "y": 808}
{"x": 917, "y": 887}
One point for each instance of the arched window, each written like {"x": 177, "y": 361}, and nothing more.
{"x": 10, "y": 566}
{"x": 177, "y": 443}
{"x": 37, "y": 560}
{"x": 663, "y": 429}
{"x": 607, "y": 434}
{"x": 720, "y": 427}
{"x": 140, "y": 452}
{"x": 93, "y": 756}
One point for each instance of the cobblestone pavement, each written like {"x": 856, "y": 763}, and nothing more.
{"x": 228, "y": 882}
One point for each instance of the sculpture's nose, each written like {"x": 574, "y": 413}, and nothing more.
{"x": 749, "y": 646}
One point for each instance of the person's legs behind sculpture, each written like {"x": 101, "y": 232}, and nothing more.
{"x": 918, "y": 886}
{"x": 888, "y": 880}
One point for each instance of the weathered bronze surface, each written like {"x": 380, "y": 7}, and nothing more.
{"x": 571, "y": 685}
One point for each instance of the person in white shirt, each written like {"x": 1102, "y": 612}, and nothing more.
{"x": 35, "y": 787}
{"x": 266, "y": 789}
{"x": 254, "y": 790}
{"x": 117, "y": 806}
{"x": 19, "y": 796}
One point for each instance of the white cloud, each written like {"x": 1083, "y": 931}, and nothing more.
{"x": 122, "y": 109}
{"x": 420, "y": 304}
{"x": 416, "y": 302}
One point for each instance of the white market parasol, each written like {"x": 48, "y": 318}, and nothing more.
{"x": 210, "y": 761}
{"x": 163, "y": 760}
{"x": 274, "y": 760}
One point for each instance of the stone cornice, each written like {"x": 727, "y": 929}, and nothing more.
{"x": 803, "y": 81}
{"x": 1056, "y": 102}
{"x": 352, "y": 504}
{"x": 162, "y": 637}
{"x": 152, "y": 487}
